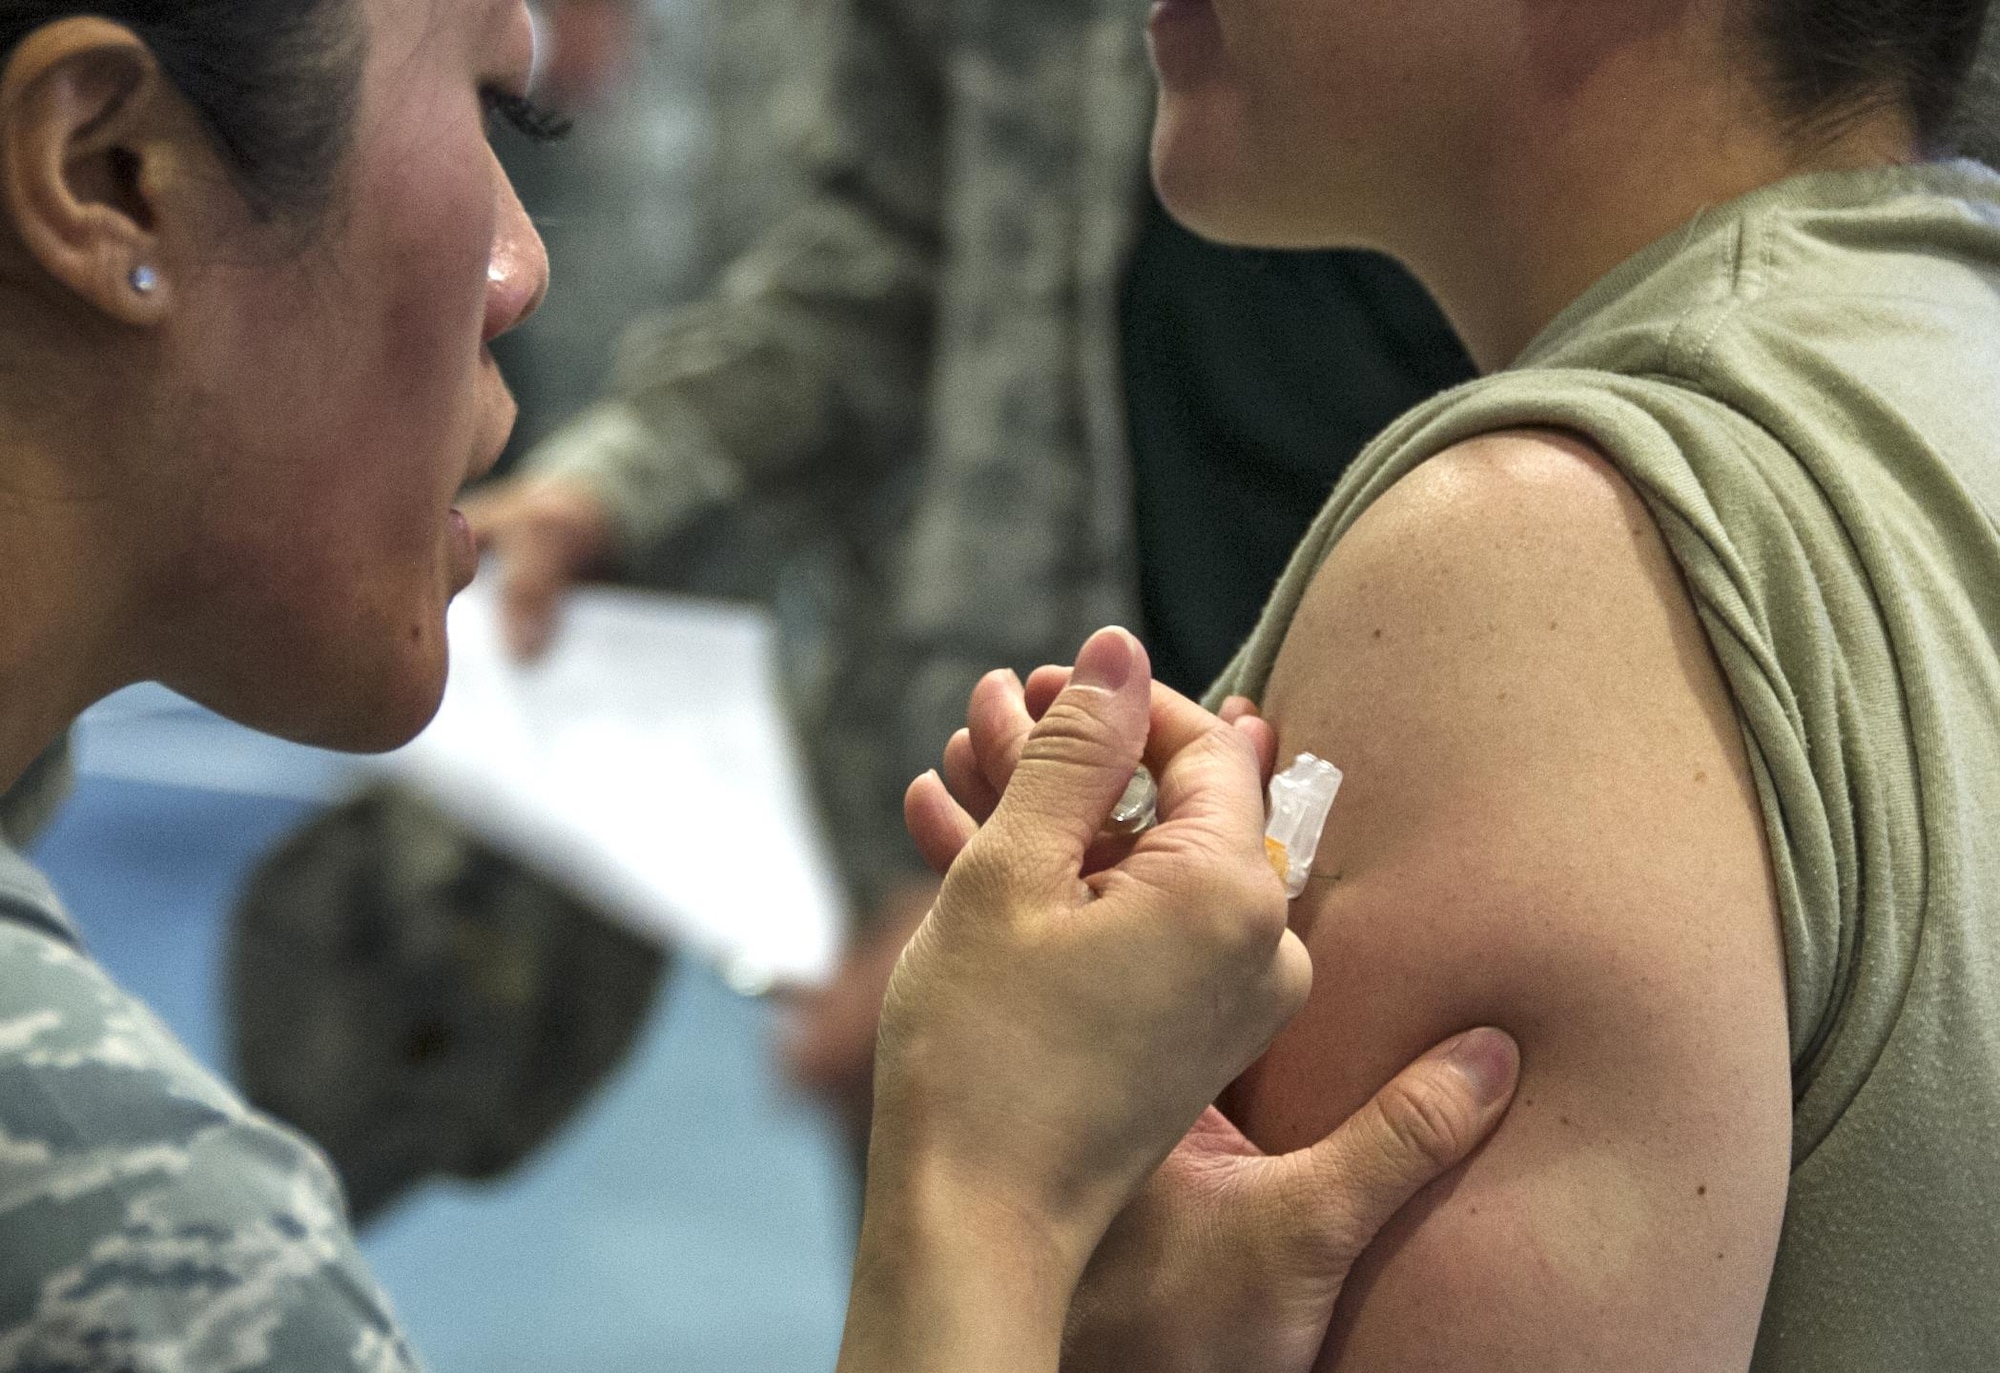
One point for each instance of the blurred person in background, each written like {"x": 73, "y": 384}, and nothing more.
{"x": 1011, "y": 397}
{"x": 618, "y": 201}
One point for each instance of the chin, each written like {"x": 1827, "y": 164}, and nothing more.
{"x": 1212, "y": 179}
{"x": 359, "y": 701}
{"x": 390, "y": 725}
{"x": 374, "y": 716}
{"x": 1205, "y": 187}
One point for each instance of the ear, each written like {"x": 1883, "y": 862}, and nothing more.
{"x": 95, "y": 144}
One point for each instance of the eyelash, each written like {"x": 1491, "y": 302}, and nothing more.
{"x": 524, "y": 115}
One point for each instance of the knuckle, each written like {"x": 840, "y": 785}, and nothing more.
{"x": 980, "y": 867}
{"x": 1071, "y": 734}
{"x": 1252, "y": 906}
{"x": 1424, "y": 1125}
{"x": 1293, "y": 977}
{"x": 1223, "y": 746}
{"x": 1266, "y": 914}
{"x": 1232, "y": 900}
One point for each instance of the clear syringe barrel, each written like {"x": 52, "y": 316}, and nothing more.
{"x": 1301, "y": 798}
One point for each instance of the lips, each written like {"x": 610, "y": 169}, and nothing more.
{"x": 463, "y": 552}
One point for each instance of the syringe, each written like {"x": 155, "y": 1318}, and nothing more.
{"x": 1301, "y": 798}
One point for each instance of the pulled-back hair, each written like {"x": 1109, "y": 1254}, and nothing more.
{"x": 274, "y": 80}
{"x": 1831, "y": 58}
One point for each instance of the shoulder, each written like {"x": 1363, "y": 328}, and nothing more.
{"x": 1502, "y": 657}
{"x": 1548, "y": 824}
{"x": 150, "y": 1219}
{"x": 1522, "y": 504}
{"x": 1522, "y": 562}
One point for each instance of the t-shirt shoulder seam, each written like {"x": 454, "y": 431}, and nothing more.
{"x": 1690, "y": 340}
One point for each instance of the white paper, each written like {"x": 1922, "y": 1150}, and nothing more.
{"x": 644, "y": 760}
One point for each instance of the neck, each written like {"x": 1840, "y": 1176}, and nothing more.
{"x": 58, "y": 640}
{"x": 1571, "y": 183}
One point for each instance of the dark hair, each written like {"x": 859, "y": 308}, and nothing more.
{"x": 275, "y": 80}
{"x": 1832, "y": 58}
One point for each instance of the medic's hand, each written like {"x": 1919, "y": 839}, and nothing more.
{"x": 979, "y": 760}
{"x": 1048, "y": 1037}
{"x": 1232, "y": 1260}
{"x": 548, "y": 534}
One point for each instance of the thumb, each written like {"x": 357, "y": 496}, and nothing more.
{"x": 1424, "y": 1123}
{"x": 1079, "y": 756}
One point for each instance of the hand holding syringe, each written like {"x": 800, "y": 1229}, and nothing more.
{"x": 1037, "y": 1043}
{"x": 1301, "y": 798}
{"x": 980, "y": 758}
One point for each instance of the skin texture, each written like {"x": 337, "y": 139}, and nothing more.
{"x": 240, "y": 482}
{"x": 1547, "y": 824}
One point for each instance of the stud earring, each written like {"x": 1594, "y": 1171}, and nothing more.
{"x": 144, "y": 279}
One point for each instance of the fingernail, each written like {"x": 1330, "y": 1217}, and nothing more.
{"x": 1105, "y": 661}
{"x": 1488, "y": 1061}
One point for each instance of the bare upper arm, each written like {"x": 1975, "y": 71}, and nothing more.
{"x": 1548, "y": 824}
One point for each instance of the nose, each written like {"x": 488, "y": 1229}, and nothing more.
{"x": 517, "y": 272}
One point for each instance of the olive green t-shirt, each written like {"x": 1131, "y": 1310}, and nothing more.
{"x": 1804, "y": 388}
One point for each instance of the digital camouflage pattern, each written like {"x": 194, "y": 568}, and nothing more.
{"x": 923, "y": 355}
{"x": 149, "y": 1220}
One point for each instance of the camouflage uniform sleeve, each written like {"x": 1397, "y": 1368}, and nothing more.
{"x": 808, "y": 363}
{"x": 148, "y": 1219}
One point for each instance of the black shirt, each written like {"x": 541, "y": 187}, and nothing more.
{"x": 1252, "y": 378}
